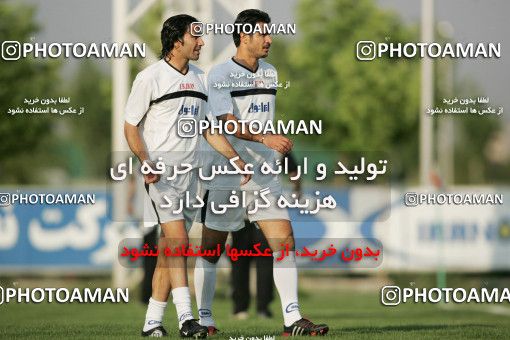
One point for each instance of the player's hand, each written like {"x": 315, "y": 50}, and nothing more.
{"x": 298, "y": 195}
{"x": 150, "y": 177}
{"x": 246, "y": 177}
{"x": 278, "y": 142}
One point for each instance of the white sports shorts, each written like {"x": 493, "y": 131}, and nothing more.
{"x": 183, "y": 188}
{"x": 215, "y": 215}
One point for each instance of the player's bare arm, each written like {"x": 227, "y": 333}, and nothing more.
{"x": 221, "y": 144}
{"x": 136, "y": 145}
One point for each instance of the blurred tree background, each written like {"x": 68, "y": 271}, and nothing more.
{"x": 364, "y": 106}
{"x": 91, "y": 88}
{"x": 367, "y": 106}
{"x": 28, "y": 143}
{"x": 50, "y": 148}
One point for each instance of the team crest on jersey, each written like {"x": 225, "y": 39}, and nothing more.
{"x": 191, "y": 110}
{"x": 262, "y": 107}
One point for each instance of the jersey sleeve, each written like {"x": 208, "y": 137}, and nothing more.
{"x": 220, "y": 101}
{"x": 139, "y": 100}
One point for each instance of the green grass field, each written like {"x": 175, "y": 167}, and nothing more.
{"x": 350, "y": 314}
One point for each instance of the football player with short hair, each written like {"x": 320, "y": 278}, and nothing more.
{"x": 253, "y": 101}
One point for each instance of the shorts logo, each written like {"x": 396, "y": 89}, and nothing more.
{"x": 154, "y": 322}
{"x": 204, "y": 313}
{"x": 291, "y": 307}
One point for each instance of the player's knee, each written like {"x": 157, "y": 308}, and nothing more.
{"x": 288, "y": 241}
{"x": 280, "y": 243}
{"x": 212, "y": 251}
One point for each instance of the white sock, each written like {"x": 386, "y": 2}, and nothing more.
{"x": 154, "y": 315}
{"x": 182, "y": 301}
{"x": 285, "y": 280}
{"x": 205, "y": 282}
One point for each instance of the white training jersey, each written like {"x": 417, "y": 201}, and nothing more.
{"x": 160, "y": 97}
{"x": 247, "y": 95}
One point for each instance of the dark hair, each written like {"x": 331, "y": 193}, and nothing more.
{"x": 173, "y": 30}
{"x": 250, "y": 17}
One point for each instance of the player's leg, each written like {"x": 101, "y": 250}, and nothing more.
{"x": 240, "y": 274}
{"x": 149, "y": 264}
{"x": 205, "y": 276}
{"x": 170, "y": 276}
{"x": 280, "y": 237}
{"x": 214, "y": 233}
{"x": 264, "y": 267}
{"x": 161, "y": 283}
